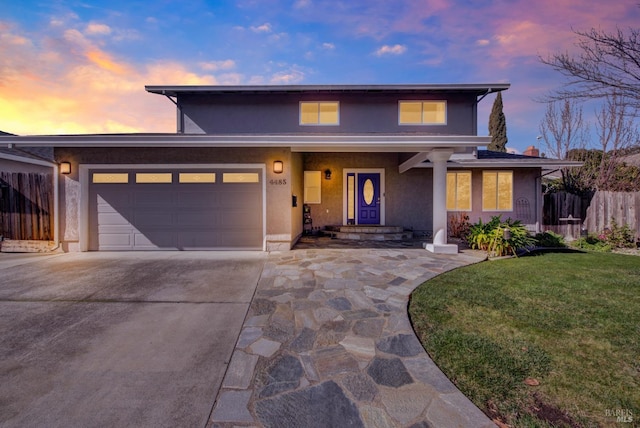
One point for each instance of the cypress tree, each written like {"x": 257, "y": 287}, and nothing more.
{"x": 497, "y": 126}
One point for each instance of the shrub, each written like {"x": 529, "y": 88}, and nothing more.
{"x": 492, "y": 237}
{"x": 459, "y": 225}
{"x": 619, "y": 236}
{"x": 609, "y": 239}
{"x": 550, "y": 239}
{"x": 592, "y": 243}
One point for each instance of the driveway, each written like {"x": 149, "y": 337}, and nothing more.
{"x": 119, "y": 339}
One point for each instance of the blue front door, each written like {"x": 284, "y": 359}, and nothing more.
{"x": 369, "y": 198}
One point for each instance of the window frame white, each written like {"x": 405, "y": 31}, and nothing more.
{"x": 497, "y": 200}
{"x": 456, "y": 172}
{"x": 319, "y": 123}
{"x": 422, "y": 122}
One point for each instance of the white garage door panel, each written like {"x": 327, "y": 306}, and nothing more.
{"x": 163, "y": 216}
{"x": 146, "y": 218}
{"x": 236, "y": 218}
{"x": 191, "y": 199}
{"x": 118, "y": 240}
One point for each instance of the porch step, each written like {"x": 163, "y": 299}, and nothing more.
{"x": 369, "y": 233}
{"x": 371, "y": 229}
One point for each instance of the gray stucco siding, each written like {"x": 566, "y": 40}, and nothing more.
{"x": 525, "y": 188}
{"x": 278, "y": 196}
{"x": 279, "y": 114}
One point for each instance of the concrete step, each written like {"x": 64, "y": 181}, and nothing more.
{"x": 365, "y": 236}
{"x": 371, "y": 229}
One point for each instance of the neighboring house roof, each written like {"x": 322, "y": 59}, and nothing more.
{"x": 175, "y": 90}
{"x": 35, "y": 153}
{"x": 632, "y": 159}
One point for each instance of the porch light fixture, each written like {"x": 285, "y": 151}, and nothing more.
{"x": 327, "y": 174}
{"x": 278, "y": 167}
{"x": 65, "y": 168}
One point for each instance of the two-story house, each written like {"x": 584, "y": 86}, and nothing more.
{"x": 247, "y": 160}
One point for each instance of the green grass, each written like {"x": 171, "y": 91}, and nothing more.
{"x": 569, "y": 320}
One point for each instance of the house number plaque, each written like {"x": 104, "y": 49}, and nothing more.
{"x": 279, "y": 182}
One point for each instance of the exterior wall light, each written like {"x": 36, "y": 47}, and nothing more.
{"x": 327, "y": 174}
{"x": 65, "y": 168}
{"x": 278, "y": 167}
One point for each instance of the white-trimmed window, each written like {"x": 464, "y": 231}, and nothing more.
{"x": 319, "y": 113}
{"x": 497, "y": 190}
{"x": 312, "y": 187}
{"x": 422, "y": 112}
{"x": 459, "y": 191}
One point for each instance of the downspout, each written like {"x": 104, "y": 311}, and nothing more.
{"x": 539, "y": 204}
{"x": 56, "y": 207}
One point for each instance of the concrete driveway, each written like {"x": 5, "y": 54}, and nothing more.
{"x": 119, "y": 339}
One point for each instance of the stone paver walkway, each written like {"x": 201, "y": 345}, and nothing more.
{"x": 327, "y": 343}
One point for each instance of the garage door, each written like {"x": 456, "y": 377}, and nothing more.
{"x": 176, "y": 209}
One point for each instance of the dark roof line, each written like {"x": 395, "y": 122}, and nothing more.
{"x": 175, "y": 90}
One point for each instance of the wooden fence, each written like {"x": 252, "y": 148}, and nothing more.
{"x": 595, "y": 213}
{"x": 562, "y": 205}
{"x": 26, "y": 206}
{"x": 624, "y": 207}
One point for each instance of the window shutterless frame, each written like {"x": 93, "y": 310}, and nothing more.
{"x": 422, "y": 112}
{"x": 497, "y": 191}
{"x": 319, "y": 113}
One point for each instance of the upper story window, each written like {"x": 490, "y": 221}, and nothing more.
{"x": 422, "y": 112}
{"x": 319, "y": 113}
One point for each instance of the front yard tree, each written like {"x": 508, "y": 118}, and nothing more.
{"x": 497, "y": 126}
{"x": 607, "y": 63}
{"x": 564, "y": 130}
{"x": 616, "y": 133}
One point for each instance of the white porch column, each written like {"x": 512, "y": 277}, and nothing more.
{"x": 439, "y": 158}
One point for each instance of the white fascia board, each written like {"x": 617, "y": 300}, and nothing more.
{"x": 299, "y": 143}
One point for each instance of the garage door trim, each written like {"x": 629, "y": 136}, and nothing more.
{"x": 83, "y": 171}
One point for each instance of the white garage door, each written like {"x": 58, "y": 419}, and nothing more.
{"x": 175, "y": 209}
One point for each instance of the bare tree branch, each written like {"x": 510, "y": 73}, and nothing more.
{"x": 608, "y": 63}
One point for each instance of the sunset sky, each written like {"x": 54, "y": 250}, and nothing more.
{"x": 69, "y": 67}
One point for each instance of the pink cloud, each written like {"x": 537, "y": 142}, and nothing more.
{"x": 67, "y": 85}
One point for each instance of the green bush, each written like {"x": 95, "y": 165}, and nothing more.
{"x": 499, "y": 238}
{"x": 609, "y": 239}
{"x": 550, "y": 239}
{"x": 592, "y": 243}
{"x": 619, "y": 236}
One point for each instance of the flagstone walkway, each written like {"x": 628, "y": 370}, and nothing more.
{"x": 327, "y": 342}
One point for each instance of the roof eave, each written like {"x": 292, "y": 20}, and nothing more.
{"x": 175, "y": 90}
{"x": 380, "y": 143}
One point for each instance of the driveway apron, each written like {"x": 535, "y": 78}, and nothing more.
{"x": 328, "y": 343}
{"x": 119, "y": 339}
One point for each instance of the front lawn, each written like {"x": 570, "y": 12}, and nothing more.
{"x": 570, "y": 321}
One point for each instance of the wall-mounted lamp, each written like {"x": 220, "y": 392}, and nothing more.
{"x": 65, "y": 167}
{"x": 327, "y": 174}
{"x": 278, "y": 167}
